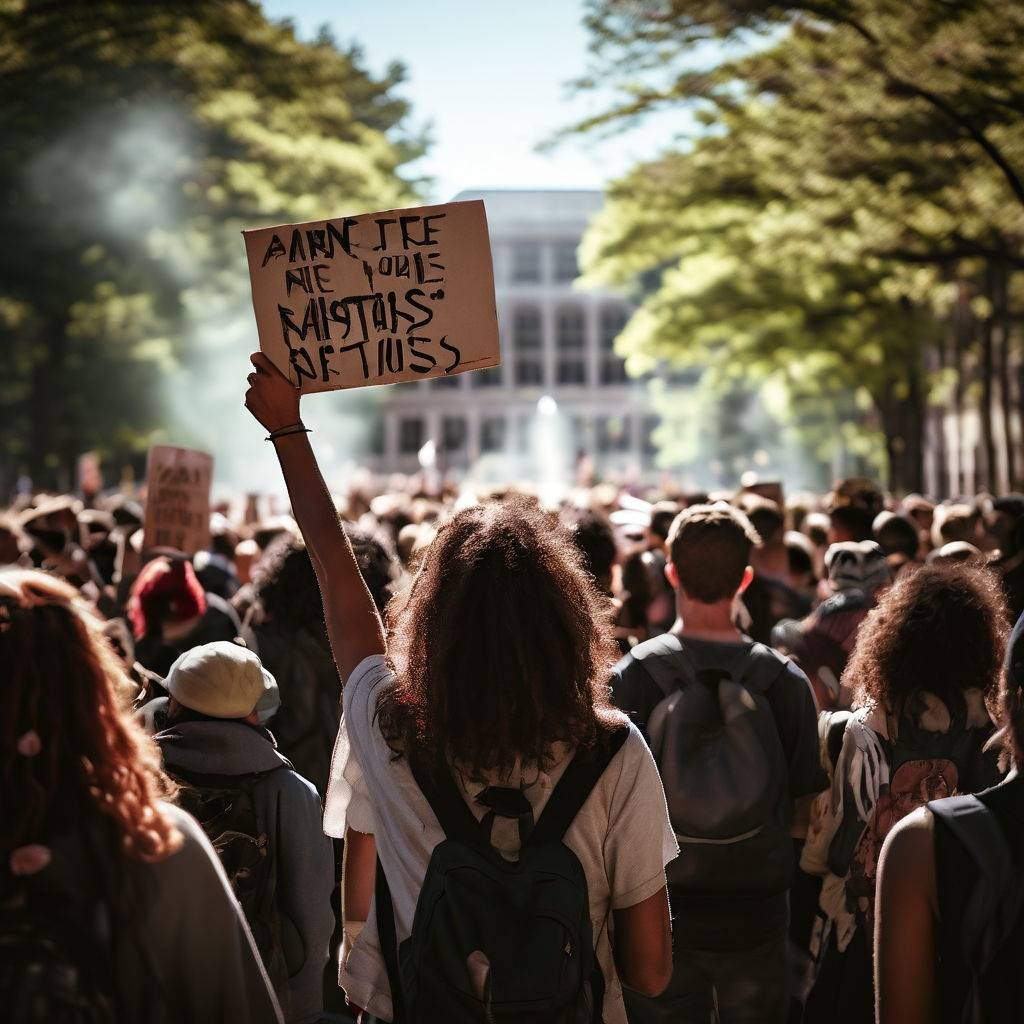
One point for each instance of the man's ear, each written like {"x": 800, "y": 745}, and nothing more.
{"x": 748, "y": 578}
{"x": 671, "y": 575}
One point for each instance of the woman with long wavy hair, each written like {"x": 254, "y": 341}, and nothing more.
{"x": 924, "y": 674}
{"x": 949, "y": 932}
{"x": 110, "y": 898}
{"x": 491, "y": 688}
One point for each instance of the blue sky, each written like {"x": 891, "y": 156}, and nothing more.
{"x": 490, "y": 78}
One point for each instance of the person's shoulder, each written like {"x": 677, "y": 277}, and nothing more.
{"x": 909, "y": 844}
{"x": 631, "y": 747}
{"x": 843, "y": 601}
{"x": 631, "y": 664}
{"x": 190, "y": 829}
{"x": 288, "y": 781}
{"x": 360, "y": 698}
{"x": 217, "y": 606}
{"x": 770, "y": 668}
{"x": 194, "y": 852}
{"x": 371, "y": 673}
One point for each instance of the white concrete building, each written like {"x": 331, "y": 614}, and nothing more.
{"x": 555, "y": 340}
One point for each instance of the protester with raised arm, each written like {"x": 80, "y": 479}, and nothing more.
{"x": 353, "y": 623}
{"x": 484, "y": 740}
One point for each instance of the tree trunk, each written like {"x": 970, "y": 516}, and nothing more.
{"x": 988, "y": 444}
{"x": 963, "y": 334}
{"x": 913, "y": 432}
{"x": 1002, "y": 319}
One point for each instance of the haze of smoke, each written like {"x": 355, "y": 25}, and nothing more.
{"x": 120, "y": 176}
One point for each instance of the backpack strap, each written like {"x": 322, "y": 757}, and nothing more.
{"x": 667, "y": 662}
{"x": 384, "y": 911}
{"x": 760, "y": 653}
{"x": 995, "y": 904}
{"x": 445, "y": 799}
{"x": 573, "y": 788}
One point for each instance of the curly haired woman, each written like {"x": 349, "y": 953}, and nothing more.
{"x": 949, "y": 932}
{"x": 109, "y": 897}
{"x": 490, "y": 689}
{"x": 924, "y": 671}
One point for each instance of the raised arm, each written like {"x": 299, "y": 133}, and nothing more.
{"x": 353, "y": 625}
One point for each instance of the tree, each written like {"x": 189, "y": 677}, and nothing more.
{"x": 139, "y": 139}
{"x": 856, "y": 187}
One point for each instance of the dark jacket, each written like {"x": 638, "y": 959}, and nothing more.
{"x": 307, "y": 724}
{"x": 178, "y": 947}
{"x": 305, "y": 858}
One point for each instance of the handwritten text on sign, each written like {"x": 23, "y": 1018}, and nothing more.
{"x": 378, "y": 298}
{"x": 178, "y": 499}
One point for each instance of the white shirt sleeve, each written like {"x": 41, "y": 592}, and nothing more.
{"x": 640, "y": 839}
{"x": 347, "y": 803}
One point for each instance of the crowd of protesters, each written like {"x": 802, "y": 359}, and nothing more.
{"x": 305, "y": 773}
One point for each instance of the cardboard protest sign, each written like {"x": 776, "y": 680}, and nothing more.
{"x": 178, "y": 499}
{"x": 376, "y": 299}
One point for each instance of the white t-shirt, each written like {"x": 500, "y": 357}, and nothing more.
{"x": 622, "y": 834}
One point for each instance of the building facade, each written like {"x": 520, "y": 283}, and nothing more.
{"x": 556, "y": 341}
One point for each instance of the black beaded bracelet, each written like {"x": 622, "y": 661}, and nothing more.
{"x": 295, "y": 428}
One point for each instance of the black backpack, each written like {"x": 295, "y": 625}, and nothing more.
{"x": 523, "y": 927}
{"x": 721, "y": 761}
{"x": 993, "y": 913}
{"x": 52, "y": 972}
{"x": 59, "y": 932}
{"x": 226, "y": 808}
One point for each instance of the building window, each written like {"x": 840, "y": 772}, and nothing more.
{"x": 522, "y": 434}
{"x": 649, "y": 425}
{"x": 566, "y": 267}
{"x": 375, "y": 439}
{"x": 571, "y": 345}
{"x": 453, "y": 433}
{"x": 582, "y": 435}
{"x": 410, "y": 435}
{"x": 527, "y": 344}
{"x": 613, "y": 369}
{"x": 613, "y": 434}
{"x": 492, "y": 434}
{"x": 447, "y": 381}
{"x": 489, "y": 378}
{"x": 526, "y": 262}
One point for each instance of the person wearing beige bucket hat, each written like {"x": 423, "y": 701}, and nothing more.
{"x": 262, "y": 817}
{"x": 221, "y": 680}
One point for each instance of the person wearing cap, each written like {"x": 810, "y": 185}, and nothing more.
{"x": 170, "y": 613}
{"x": 821, "y": 643}
{"x": 213, "y": 735}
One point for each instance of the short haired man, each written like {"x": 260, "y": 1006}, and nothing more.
{"x": 731, "y": 935}
{"x": 263, "y": 818}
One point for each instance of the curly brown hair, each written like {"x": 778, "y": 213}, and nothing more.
{"x": 940, "y": 628}
{"x": 63, "y": 681}
{"x": 503, "y": 647}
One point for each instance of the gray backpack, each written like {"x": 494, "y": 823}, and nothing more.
{"x": 717, "y": 746}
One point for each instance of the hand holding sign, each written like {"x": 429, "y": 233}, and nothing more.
{"x": 376, "y": 299}
{"x": 272, "y": 398}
